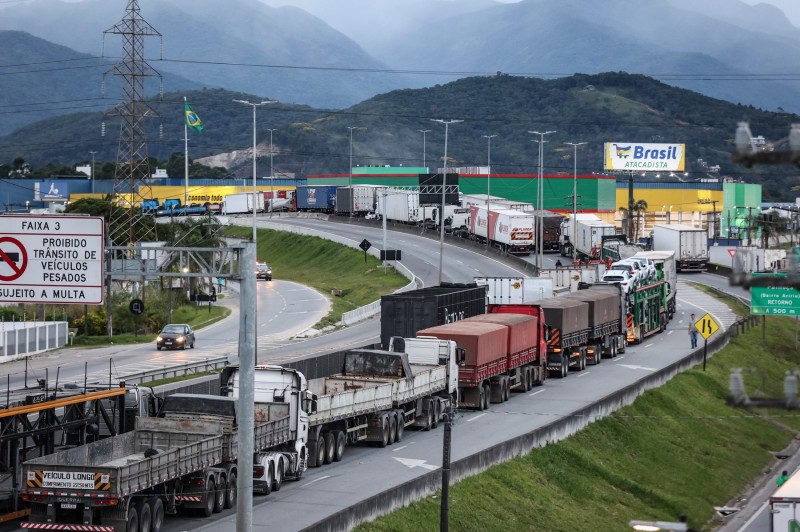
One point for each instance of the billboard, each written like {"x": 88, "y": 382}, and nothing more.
{"x": 638, "y": 157}
{"x": 50, "y": 191}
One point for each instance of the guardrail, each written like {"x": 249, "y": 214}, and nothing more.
{"x": 168, "y": 372}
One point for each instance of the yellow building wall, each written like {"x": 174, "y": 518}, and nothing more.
{"x": 197, "y": 194}
{"x": 660, "y": 199}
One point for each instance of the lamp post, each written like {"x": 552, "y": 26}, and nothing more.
{"x": 271, "y": 176}
{"x": 424, "y": 160}
{"x": 92, "y": 176}
{"x": 540, "y": 199}
{"x": 574, "y": 191}
{"x": 350, "y": 181}
{"x": 254, "y": 105}
{"x": 488, "y": 181}
{"x": 444, "y": 186}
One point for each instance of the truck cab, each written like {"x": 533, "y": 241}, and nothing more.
{"x": 433, "y": 351}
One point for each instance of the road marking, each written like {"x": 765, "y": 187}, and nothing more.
{"x": 400, "y": 448}
{"x": 476, "y": 417}
{"x": 534, "y": 393}
{"x": 316, "y": 480}
{"x": 649, "y": 345}
{"x": 620, "y": 357}
{"x": 411, "y": 463}
{"x": 670, "y": 332}
{"x": 637, "y": 367}
{"x": 583, "y": 374}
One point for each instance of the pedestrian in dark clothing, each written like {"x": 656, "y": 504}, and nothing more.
{"x": 558, "y": 263}
{"x": 693, "y": 332}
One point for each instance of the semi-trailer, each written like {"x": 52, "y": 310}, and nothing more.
{"x": 399, "y": 205}
{"x": 357, "y": 200}
{"x": 664, "y": 262}
{"x": 583, "y": 232}
{"x": 512, "y": 290}
{"x": 690, "y": 245}
{"x": 509, "y": 230}
{"x": 316, "y": 198}
{"x": 242, "y": 202}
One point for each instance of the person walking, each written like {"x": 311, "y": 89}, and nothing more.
{"x": 693, "y": 332}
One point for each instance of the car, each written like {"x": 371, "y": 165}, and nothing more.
{"x": 640, "y": 272}
{"x": 648, "y": 265}
{"x": 263, "y": 271}
{"x": 619, "y": 276}
{"x": 175, "y": 336}
{"x": 624, "y": 267}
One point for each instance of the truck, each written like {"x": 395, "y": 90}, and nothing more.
{"x": 242, "y": 202}
{"x": 512, "y": 290}
{"x": 784, "y": 505}
{"x": 665, "y": 264}
{"x": 316, "y": 198}
{"x": 400, "y": 206}
{"x": 184, "y": 459}
{"x": 567, "y": 278}
{"x": 356, "y": 200}
{"x": 587, "y": 239}
{"x": 551, "y": 228}
{"x": 502, "y": 352}
{"x": 283, "y": 201}
{"x": 509, "y": 230}
{"x": 405, "y": 313}
{"x": 690, "y": 245}
{"x": 455, "y": 218}
{"x": 376, "y": 396}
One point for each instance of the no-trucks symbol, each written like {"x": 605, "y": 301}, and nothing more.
{"x": 14, "y": 256}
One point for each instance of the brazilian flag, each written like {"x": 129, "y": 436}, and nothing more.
{"x": 192, "y": 120}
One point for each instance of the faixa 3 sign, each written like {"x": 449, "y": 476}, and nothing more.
{"x": 645, "y": 157}
{"x": 51, "y": 259}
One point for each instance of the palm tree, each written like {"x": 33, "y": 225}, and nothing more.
{"x": 633, "y": 217}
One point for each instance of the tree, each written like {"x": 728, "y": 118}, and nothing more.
{"x": 634, "y": 219}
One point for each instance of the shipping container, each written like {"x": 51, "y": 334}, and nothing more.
{"x": 514, "y": 290}
{"x": 320, "y": 198}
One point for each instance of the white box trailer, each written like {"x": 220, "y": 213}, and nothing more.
{"x": 242, "y": 202}
{"x": 516, "y": 290}
{"x": 690, "y": 245}
{"x": 590, "y": 233}
{"x": 784, "y": 505}
{"x": 507, "y": 229}
{"x": 401, "y": 205}
{"x": 566, "y": 279}
{"x": 364, "y": 199}
{"x": 480, "y": 200}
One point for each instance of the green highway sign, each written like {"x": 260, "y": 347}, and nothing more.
{"x": 774, "y": 300}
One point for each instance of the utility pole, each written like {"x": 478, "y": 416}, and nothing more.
{"x": 92, "y": 152}
{"x": 714, "y": 209}
{"x": 574, "y": 193}
{"x": 444, "y": 186}
{"x": 539, "y": 220}
{"x": 488, "y": 182}
{"x": 424, "y": 160}
{"x": 271, "y": 175}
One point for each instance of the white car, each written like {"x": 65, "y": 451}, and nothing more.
{"x": 619, "y": 276}
{"x": 641, "y": 273}
{"x": 631, "y": 269}
{"x": 648, "y": 265}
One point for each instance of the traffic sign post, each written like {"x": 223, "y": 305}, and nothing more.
{"x": 706, "y": 326}
{"x": 51, "y": 259}
{"x": 774, "y": 300}
{"x": 365, "y": 245}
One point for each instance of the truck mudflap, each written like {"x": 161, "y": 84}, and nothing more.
{"x": 52, "y": 526}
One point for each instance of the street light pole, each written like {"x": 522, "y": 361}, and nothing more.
{"x": 254, "y": 105}
{"x": 574, "y": 192}
{"x": 540, "y": 199}
{"x": 444, "y": 186}
{"x": 92, "y": 152}
{"x": 350, "y": 181}
{"x": 424, "y": 159}
{"x": 271, "y": 176}
{"x": 488, "y": 182}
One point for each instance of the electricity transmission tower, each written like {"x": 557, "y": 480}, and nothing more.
{"x": 131, "y": 178}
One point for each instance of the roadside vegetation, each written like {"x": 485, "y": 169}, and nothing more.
{"x": 679, "y": 449}
{"x": 325, "y": 266}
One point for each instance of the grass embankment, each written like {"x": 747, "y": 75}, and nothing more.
{"x": 197, "y": 317}
{"x": 325, "y": 266}
{"x": 679, "y": 449}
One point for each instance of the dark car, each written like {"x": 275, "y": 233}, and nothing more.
{"x": 175, "y": 336}
{"x": 263, "y": 271}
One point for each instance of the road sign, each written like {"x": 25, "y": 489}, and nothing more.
{"x": 365, "y": 244}
{"x": 732, "y": 252}
{"x": 51, "y": 259}
{"x": 706, "y": 326}
{"x": 774, "y": 300}
{"x": 136, "y": 306}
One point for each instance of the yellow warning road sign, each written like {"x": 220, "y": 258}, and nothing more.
{"x": 706, "y": 326}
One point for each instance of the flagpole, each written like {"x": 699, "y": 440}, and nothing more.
{"x": 185, "y": 158}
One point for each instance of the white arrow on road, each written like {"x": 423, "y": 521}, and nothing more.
{"x": 637, "y": 367}
{"x": 412, "y": 463}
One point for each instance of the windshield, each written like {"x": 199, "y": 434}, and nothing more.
{"x": 613, "y": 278}
{"x": 173, "y": 329}
{"x": 623, "y": 267}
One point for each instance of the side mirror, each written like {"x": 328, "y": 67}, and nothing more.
{"x": 313, "y": 409}
{"x": 461, "y": 356}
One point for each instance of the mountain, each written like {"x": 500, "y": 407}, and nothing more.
{"x": 243, "y": 45}
{"x": 609, "y": 107}
{"x": 39, "y": 79}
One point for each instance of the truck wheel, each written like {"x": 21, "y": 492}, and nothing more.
{"x": 320, "y": 451}
{"x": 268, "y": 481}
{"x": 481, "y": 400}
{"x": 330, "y": 447}
{"x": 487, "y": 396}
{"x": 507, "y": 389}
{"x": 219, "y": 496}
{"x": 564, "y": 367}
{"x": 133, "y": 519}
{"x": 157, "y": 511}
{"x": 230, "y": 491}
{"x": 401, "y": 425}
{"x": 210, "y": 496}
{"x": 145, "y": 516}
{"x": 436, "y": 406}
{"x": 276, "y": 484}
{"x": 340, "y": 444}
{"x": 385, "y": 432}
{"x": 392, "y": 428}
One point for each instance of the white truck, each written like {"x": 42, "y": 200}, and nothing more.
{"x": 377, "y": 395}
{"x": 589, "y": 233}
{"x": 690, "y": 245}
{"x": 515, "y": 290}
{"x": 510, "y": 230}
{"x": 566, "y": 279}
{"x": 242, "y": 202}
{"x": 784, "y": 506}
{"x": 400, "y": 205}
{"x": 665, "y": 262}
{"x": 185, "y": 459}
{"x": 357, "y": 200}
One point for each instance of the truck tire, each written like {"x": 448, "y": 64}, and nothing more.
{"x": 133, "y": 519}
{"x": 487, "y": 396}
{"x": 319, "y": 451}
{"x": 268, "y": 482}
{"x": 209, "y": 497}
{"x": 392, "y": 427}
{"x": 145, "y": 515}
{"x": 330, "y": 447}
{"x": 401, "y": 425}
{"x": 341, "y": 441}
{"x": 507, "y": 392}
{"x": 384, "y": 441}
{"x": 157, "y": 511}
{"x": 230, "y": 491}
{"x": 278, "y": 480}
{"x": 481, "y": 399}
{"x": 436, "y": 406}
{"x": 564, "y": 367}
{"x": 219, "y": 496}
